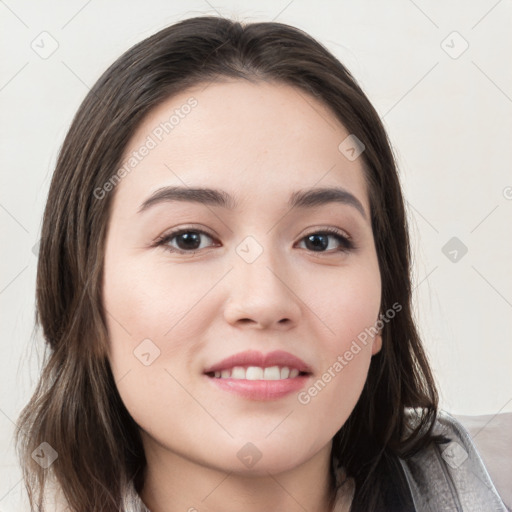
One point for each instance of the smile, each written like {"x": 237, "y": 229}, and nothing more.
{"x": 256, "y": 376}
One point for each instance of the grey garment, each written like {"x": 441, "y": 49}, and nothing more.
{"x": 451, "y": 477}
{"x": 447, "y": 477}
{"x": 132, "y": 501}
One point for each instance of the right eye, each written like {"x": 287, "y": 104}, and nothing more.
{"x": 188, "y": 241}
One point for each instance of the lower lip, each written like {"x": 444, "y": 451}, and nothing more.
{"x": 260, "y": 389}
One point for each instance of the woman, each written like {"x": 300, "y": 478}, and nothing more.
{"x": 224, "y": 288}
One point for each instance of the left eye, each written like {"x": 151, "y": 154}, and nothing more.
{"x": 188, "y": 241}
{"x": 320, "y": 240}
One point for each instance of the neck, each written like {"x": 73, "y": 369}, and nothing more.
{"x": 173, "y": 483}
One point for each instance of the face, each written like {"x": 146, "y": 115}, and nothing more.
{"x": 232, "y": 316}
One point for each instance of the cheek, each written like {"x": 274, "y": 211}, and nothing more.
{"x": 150, "y": 336}
{"x": 348, "y": 307}
{"x": 140, "y": 296}
{"x": 148, "y": 301}
{"x": 155, "y": 335}
{"x": 346, "y": 302}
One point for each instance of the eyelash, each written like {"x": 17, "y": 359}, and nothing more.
{"x": 346, "y": 244}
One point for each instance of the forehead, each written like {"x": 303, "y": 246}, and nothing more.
{"x": 254, "y": 140}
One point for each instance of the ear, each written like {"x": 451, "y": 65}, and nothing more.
{"x": 377, "y": 343}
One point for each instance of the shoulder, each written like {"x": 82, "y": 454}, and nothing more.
{"x": 450, "y": 475}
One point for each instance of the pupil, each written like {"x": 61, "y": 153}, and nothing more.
{"x": 318, "y": 241}
{"x": 191, "y": 240}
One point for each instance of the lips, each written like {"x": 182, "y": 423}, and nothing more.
{"x": 256, "y": 376}
{"x": 253, "y": 358}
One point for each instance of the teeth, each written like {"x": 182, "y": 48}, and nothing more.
{"x": 254, "y": 373}
{"x": 272, "y": 373}
{"x": 238, "y": 373}
{"x": 257, "y": 373}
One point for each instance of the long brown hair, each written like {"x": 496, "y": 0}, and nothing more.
{"x": 76, "y": 408}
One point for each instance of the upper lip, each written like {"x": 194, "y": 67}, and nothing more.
{"x": 255, "y": 358}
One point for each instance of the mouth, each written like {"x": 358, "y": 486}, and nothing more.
{"x": 256, "y": 376}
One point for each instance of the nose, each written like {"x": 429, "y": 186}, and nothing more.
{"x": 261, "y": 293}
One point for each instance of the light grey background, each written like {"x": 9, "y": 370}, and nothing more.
{"x": 447, "y": 109}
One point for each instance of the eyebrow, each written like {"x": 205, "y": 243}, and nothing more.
{"x": 307, "y": 198}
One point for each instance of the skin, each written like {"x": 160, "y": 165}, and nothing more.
{"x": 259, "y": 142}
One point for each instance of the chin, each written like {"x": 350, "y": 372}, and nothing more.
{"x": 260, "y": 457}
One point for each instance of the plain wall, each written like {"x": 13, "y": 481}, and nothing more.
{"x": 448, "y": 113}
